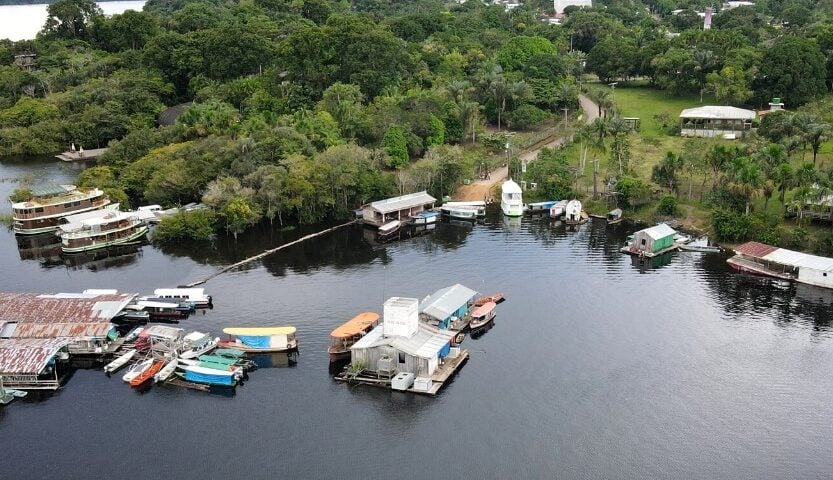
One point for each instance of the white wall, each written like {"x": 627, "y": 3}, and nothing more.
{"x": 815, "y": 277}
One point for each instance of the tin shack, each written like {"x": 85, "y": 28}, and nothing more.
{"x": 396, "y": 208}
{"x": 448, "y": 307}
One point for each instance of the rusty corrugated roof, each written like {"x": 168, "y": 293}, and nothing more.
{"x": 27, "y": 356}
{"x": 755, "y": 249}
{"x": 61, "y": 307}
{"x": 61, "y": 330}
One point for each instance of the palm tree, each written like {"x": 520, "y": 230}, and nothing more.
{"x": 784, "y": 179}
{"x": 816, "y": 133}
{"x": 602, "y": 100}
{"x": 620, "y": 129}
{"x": 717, "y": 158}
{"x": 746, "y": 178}
{"x": 457, "y": 90}
{"x": 806, "y": 175}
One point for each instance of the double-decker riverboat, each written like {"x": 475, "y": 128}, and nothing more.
{"x": 85, "y": 232}
{"x": 42, "y": 212}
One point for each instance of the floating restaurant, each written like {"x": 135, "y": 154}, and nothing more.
{"x": 763, "y": 259}
{"x": 397, "y": 208}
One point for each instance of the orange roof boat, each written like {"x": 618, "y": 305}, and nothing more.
{"x": 344, "y": 336}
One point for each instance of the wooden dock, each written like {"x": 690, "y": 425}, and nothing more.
{"x": 78, "y": 156}
{"x": 439, "y": 378}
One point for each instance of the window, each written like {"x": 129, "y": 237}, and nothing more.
{"x": 824, "y": 274}
{"x": 39, "y": 210}
{"x": 643, "y": 241}
{"x": 401, "y": 357}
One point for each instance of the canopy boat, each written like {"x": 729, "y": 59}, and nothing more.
{"x": 495, "y": 297}
{"x": 137, "y": 370}
{"x": 261, "y": 339}
{"x": 45, "y": 208}
{"x": 230, "y": 353}
{"x": 389, "y": 229}
{"x": 222, "y": 363}
{"x": 197, "y": 343}
{"x": 119, "y": 362}
{"x": 210, "y": 376}
{"x": 478, "y": 206}
{"x": 615, "y": 216}
{"x": 482, "y": 315}
{"x": 196, "y": 296}
{"x": 343, "y": 337}
{"x": 424, "y": 218}
{"x": 540, "y": 207}
{"x": 557, "y": 209}
{"x": 511, "y": 199}
{"x": 460, "y": 212}
{"x": 166, "y": 371}
{"x": 573, "y": 213}
{"x": 147, "y": 374}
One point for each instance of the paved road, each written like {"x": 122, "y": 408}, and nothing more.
{"x": 482, "y": 189}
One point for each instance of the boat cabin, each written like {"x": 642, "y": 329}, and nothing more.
{"x": 397, "y": 208}
{"x": 654, "y": 239}
{"x": 343, "y": 337}
{"x": 264, "y": 339}
{"x": 446, "y": 307}
{"x": 196, "y": 296}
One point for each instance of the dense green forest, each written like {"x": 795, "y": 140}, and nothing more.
{"x": 303, "y": 110}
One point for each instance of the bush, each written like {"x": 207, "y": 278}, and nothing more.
{"x": 20, "y": 195}
{"x": 667, "y": 205}
{"x": 197, "y": 224}
{"x": 630, "y": 190}
{"x": 525, "y": 116}
{"x": 733, "y": 226}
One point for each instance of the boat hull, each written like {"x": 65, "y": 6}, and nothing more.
{"x": 338, "y": 356}
{"x": 291, "y": 347}
{"x": 512, "y": 210}
{"x": 139, "y": 233}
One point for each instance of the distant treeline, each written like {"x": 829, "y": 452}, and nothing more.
{"x": 35, "y": 2}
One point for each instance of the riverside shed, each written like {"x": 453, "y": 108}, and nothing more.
{"x": 397, "y": 208}
{"x": 654, "y": 239}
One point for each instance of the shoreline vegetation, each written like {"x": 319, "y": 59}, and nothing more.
{"x": 302, "y": 111}
{"x": 4, "y": 3}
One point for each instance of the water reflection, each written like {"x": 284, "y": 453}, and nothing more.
{"x": 46, "y": 249}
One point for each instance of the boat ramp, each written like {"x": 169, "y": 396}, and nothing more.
{"x": 81, "y": 155}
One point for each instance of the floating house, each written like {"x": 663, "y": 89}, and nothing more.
{"x": 83, "y": 319}
{"x": 652, "y": 241}
{"x": 397, "y": 208}
{"x": 31, "y": 364}
{"x": 447, "y": 308}
{"x": 401, "y": 343}
{"x": 763, "y": 259}
{"x": 716, "y": 122}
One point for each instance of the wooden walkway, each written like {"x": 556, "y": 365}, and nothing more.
{"x": 439, "y": 378}
{"x": 265, "y": 253}
{"x": 77, "y": 156}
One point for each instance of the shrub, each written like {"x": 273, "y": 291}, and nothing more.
{"x": 525, "y": 116}
{"x": 667, "y": 205}
{"x": 20, "y": 195}
{"x": 197, "y": 224}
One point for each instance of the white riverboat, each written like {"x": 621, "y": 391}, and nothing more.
{"x": 511, "y": 199}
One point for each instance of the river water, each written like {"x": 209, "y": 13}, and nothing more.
{"x": 23, "y": 22}
{"x": 596, "y": 367}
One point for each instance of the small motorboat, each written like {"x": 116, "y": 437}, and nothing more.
{"x": 462, "y": 212}
{"x": 166, "y": 371}
{"x": 573, "y": 213}
{"x": 539, "y": 207}
{"x": 458, "y": 339}
{"x": 495, "y": 297}
{"x": 389, "y": 229}
{"x": 615, "y": 216}
{"x": 701, "y": 248}
{"x": 210, "y": 376}
{"x": 119, "y": 362}
{"x": 181, "y": 305}
{"x": 137, "y": 370}
{"x": 424, "y": 218}
{"x": 230, "y": 353}
{"x": 147, "y": 374}
{"x": 196, "y": 296}
{"x": 482, "y": 315}
{"x": 132, "y": 315}
{"x": 196, "y": 344}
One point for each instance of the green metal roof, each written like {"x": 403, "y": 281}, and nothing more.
{"x": 48, "y": 190}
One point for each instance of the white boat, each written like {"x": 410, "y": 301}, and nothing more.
{"x": 137, "y": 370}
{"x": 196, "y": 344}
{"x": 479, "y": 206}
{"x": 196, "y": 296}
{"x": 119, "y": 362}
{"x": 511, "y": 199}
{"x": 424, "y": 218}
{"x": 183, "y": 362}
{"x": 572, "y": 213}
{"x": 166, "y": 371}
{"x": 460, "y": 213}
{"x": 701, "y": 248}
{"x": 133, "y": 334}
{"x": 81, "y": 233}
{"x": 557, "y": 209}
{"x": 389, "y": 228}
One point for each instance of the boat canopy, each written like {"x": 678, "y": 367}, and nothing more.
{"x": 483, "y": 309}
{"x": 358, "y": 324}
{"x": 510, "y": 186}
{"x": 229, "y": 352}
{"x": 259, "y": 331}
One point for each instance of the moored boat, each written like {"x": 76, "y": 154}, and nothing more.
{"x": 460, "y": 212}
{"x": 573, "y": 214}
{"x": 166, "y": 371}
{"x": 197, "y": 343}
{"x": 690, "y": 247}
{"x": 343, "y": 337}
{"x": 133, "y": 334}
{"x": 557, "y": 209}
{"x": 615, "y": 216}
{"x": 196, "y": 296}
{"x": 47, "y": 205}
{"x": 147, "y": 374}
{"x": 511, "y": 199}
{"x": 424, "y": 218}
{"x": 482, "y": 315}
{"x": 478, "y": 206}
{"x": 495, "y": 297}
{"x": 210, "y": 376}
{"x": 160, "y": 310}
{"x": 119, "y": 362}
{"x": 261, "y": 339}
{"x": 137, "y": 370}
{"x": 108, "y": 229}
{"x": 540, "y": 207}
{"x": 388, "y": 229}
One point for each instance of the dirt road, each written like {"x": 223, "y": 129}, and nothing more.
{"x": 484, "y": 189}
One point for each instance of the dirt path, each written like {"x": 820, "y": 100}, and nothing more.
{"x": 482, "y": 189}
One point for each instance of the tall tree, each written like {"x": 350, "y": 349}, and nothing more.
{"x": 68, "y": 19}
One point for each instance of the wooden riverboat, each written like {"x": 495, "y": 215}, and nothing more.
{"x": 147, "y": 374}
{"x": 43, "y": 211}
{"x": 459, "y": 213}
{"x": 159, "y": 310}
{"x": 261, "y": 339}
{"x": 495, "y": 297}
{"x": 81, "y": 234}
{"x": 482, "y": 315}
{"x": 210, "y": 376}
{"x": 701, "y": 248}
{"x": 539, "y": 207}
{"x": 343, "y": 337}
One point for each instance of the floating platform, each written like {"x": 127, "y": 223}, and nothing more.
{"x": 640, "y": 253}
{"x": 78, "y": 156}
{"x": 438, "y": 379}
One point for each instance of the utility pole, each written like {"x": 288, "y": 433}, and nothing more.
{"x": 565, "y": 115}
{"x": 595, "y": 170}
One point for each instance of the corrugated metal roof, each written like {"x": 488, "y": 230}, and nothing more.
{"x": 163, "y": 332}
{"x": 400, "y": 203}
{"x": 755, "y": 249}
{"x": 718, "y": 113}
{"x": 27, "y": 357}
{"x": 371, "y": 339}
{"x": 446, "y": 301}
{"x": 424, "y": 344}
{"x": 51, "y": 190}
{"x": 659, "y": 231}
{"x": 61, "y": 330}
{"x": 61, "y": 307}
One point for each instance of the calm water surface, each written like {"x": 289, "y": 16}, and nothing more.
{"x": 23, "y": 22}
{"x": 596, "y": 367}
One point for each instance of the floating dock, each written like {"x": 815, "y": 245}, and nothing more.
{"x": 79, "y": 156}
{"x": 439, "y": 378}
